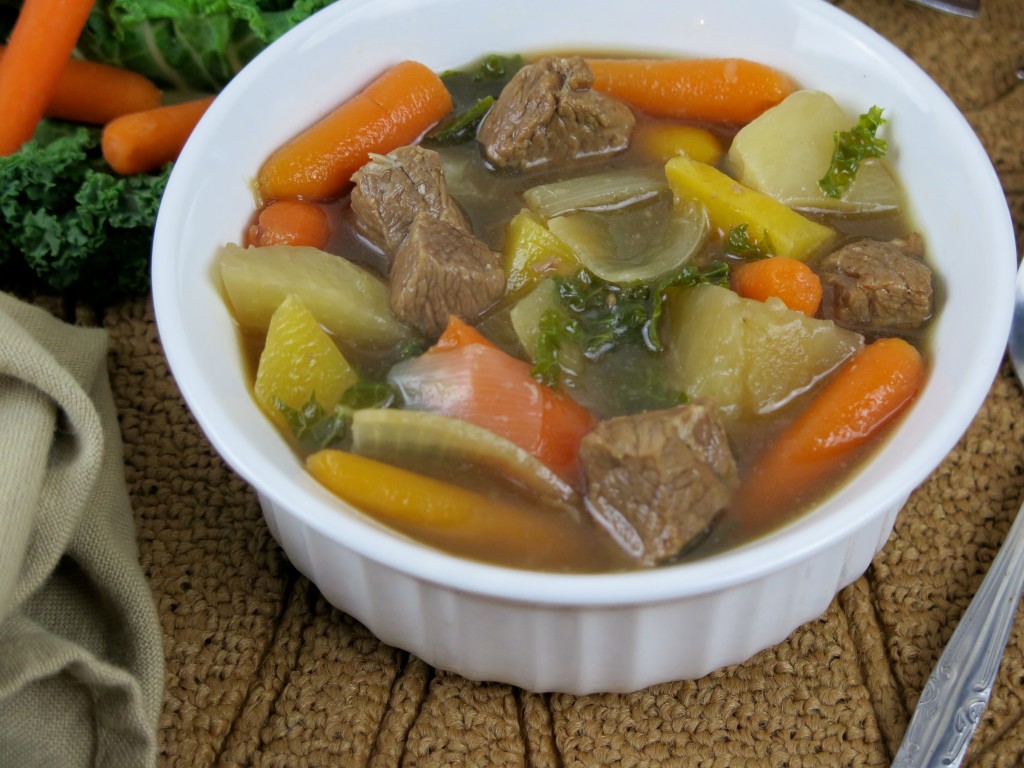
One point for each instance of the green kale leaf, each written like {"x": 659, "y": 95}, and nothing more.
{"x": 851, "y": 147}
{"x": 473, "y": 93}
{"x": 188, "y": 45}
{"x": 598, "y": 316}
{"x": 739, "y": 243}
{"x": 68, "y": 222}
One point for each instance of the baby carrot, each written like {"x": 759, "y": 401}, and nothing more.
{"x": 728, "y": 91}
{"x": 788, "y": 279}
{"x": 450, "y": 516}
{"x": 45, "y": 33}
{"x": 394, "y": 110}
{"x": 90, "y": 92}
{"x": 866, "y": 393}
{"x": 144, "y": 141}
{"x": 291, "y": 222}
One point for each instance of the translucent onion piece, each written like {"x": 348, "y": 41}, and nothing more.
{"x": 638, "y": 243}
{"x": 599, "y": 192}
{"x": 400, "y": 436}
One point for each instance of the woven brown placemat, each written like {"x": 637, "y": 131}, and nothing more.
{"x": 261, "y": 671}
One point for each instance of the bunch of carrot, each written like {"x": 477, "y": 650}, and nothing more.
{"x": 39, "y": 78}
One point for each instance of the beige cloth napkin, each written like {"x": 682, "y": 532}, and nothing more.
{"x": 81, "y": 659}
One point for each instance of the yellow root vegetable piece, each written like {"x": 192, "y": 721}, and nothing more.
{"x": 730, "y": 204}
{"x": 532, "y": 252}
{"x": 299, "y": 361}
{"x": 663, "y": 141}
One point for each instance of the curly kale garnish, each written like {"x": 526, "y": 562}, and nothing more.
{"x": 597, "y": 316}
{"x": 851, "y": 147}
{"x": 69, "y": 223}
{"x": 739, "y": 243}
{"x": 315, "y": 428}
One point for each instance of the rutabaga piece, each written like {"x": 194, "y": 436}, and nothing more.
{"x": 752, "y": 357}
{"x": 299, "y": 362}
{"x": 730, "y": 204}
{"x": 532, "y": 252}
{"x": 786, "y": 152}
{"x": 347, "y": 300}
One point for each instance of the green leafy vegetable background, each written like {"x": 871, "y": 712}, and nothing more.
{"x": 68, "y": 223}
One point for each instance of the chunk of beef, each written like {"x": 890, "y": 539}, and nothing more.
{"x": 657, "y": 479}
{"x": 871, "y": 284}
{"x": 441, "y": 270}
{"x": 548, "y": 114}
{"x": 391, "y": 189}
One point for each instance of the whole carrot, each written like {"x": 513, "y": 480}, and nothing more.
{"x": 728, "y": 91}
{"x": 866, "y": 393}
{"x": 450, "y": 516}
{"x": 790, "y": 280}
{"x": 144, "y": 141}
{"x": 41, "y": 42}
{"x": 90, "y": 92}
{"x": 394, "y": 110}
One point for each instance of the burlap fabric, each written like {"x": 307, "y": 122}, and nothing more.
{"x": 261, "y": 671}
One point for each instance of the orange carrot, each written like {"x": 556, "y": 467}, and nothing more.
{"x": 458, "y": 333}
{"x": 394, "y": 110}
{"x": 144, "y": 141}
{"x": 729, "y": 91}
{"x": 90, "y": 92}
{"x": 41, "y": 42}
{"x": 866, "y": 394}
{"x": 291, "y": 222}
{"x": 452, "y": 517}
{"x": 466, "y": 377}
{"x": 788, "y": 279}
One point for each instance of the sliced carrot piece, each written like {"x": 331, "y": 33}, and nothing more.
{"x": 790, "y": 280}
{"x": 291, "y": 222}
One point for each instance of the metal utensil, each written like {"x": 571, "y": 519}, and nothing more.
{"x": 958, "y": 690}
{"x": 959, "y": 7}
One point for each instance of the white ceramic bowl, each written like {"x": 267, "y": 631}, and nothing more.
{"x": 581, "y": 633}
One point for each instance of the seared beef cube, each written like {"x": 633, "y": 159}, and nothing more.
{"x": 391, "y": 189}
{"x": 441, "y": 270}
{"x": 657, "y": 479}
{"x": 548, "y": 114}
{"x": 871, "y": 284}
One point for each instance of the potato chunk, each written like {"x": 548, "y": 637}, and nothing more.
{"x": 299, "y": 361}
{"x": 346, "y": 299}
{"x": 749, "y": 356}
{"x": 788, "y": 148}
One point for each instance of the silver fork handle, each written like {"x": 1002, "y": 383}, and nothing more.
{"x": 958, "y": 690}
